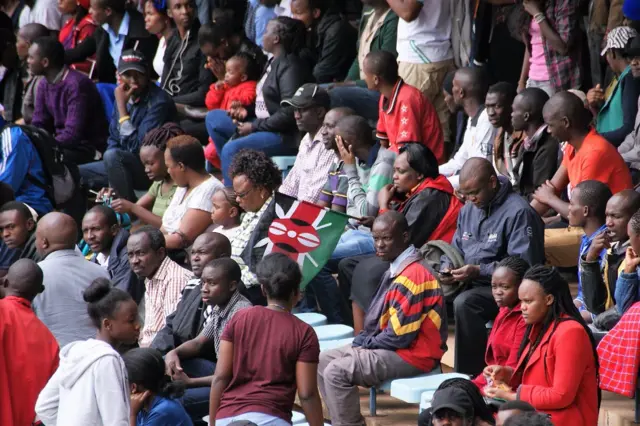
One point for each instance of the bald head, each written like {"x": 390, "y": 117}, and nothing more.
{"x": 383, "y": 65}
{"x": 472, "y": 82}
{"x": 56, "y": 231}
{"x": 214, "y": 243}
{"x": 566, "y": 105}
{"x": 390, "y": 233}
{"x": 24, "y": 279}
{"x": 477, "y": 168}
{"x": 30, "y": 32}
{"x": 393, "y": 220}
{"x": 629, "y": 200}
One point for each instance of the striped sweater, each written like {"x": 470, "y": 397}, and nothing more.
{"x": 407, "y": 315}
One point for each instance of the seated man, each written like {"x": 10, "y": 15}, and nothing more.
{"x": 164, "y": 279}
{"x": 108, "y": 242}
{"x": 20, "y": 167}
{"x": 494, "y": 223}
{"x": 405, "y": 114}
{"x": 141, "y": 106}
{"x": 568, "y": 120}
{"x": 378, "y": 28}
{"x": 17, "y": 228}
{"x": 309, "y": 173}
{"x": 119, "y": 29}
{"x": 627, "y": 290}
{"x": 405, "y": 329}
{"x": 469, "y": 93}
{"x": 29, "y": 350}
{"x": 66, "y": 276}
{"x": 599, "y": 273}
{"x": 539, "y": 158}
{"x": 68, "y": 105}
{"x": 26, "y": 36}
{"x": 630, "y": 147}
{"x": 587, "y": 211}
{"x": 331, "y": 40}
{"x": 220, "y": 280}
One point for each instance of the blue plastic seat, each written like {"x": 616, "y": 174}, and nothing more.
{"x": 326, "y": 345}
{"x": 333, "y": 332}
{"x": 297, "y": 418}
{"x": 425, "y": 400}
{"x": 312, "y": 318}
{"x": 284, "y": 163}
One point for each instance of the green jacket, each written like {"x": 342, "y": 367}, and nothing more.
{"x": 384, "y": 39}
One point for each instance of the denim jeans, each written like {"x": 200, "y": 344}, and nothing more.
{"x": 323, "y": 286}
{"x": 196, "y": 400}
{"x": 360, "y": 99}
{"x": 122, "y": 170}
{"x": 220, "y": 128}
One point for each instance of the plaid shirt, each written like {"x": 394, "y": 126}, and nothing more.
{"x": 564, "y": 70}
{"x": 220, "y": 316}
{"x": 163, "y": 292}
{"x": 239, "y": 242}
{"x": 619, "y": 356}
{"x": 309, "y": 172}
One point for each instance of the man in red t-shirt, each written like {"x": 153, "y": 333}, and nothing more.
{"x": 406, "y": 114}
{"x": 587, "y": 156}
{"x": 30, "y": 352}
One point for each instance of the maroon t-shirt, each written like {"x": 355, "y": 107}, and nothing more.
{"x": 267, "y": 344}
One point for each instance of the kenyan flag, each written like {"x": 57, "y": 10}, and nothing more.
{"x": 303, "y": 231}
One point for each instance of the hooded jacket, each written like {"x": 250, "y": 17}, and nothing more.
{"x": 90, "y": 387}
{"x": 431, "y": 210}
{"x": 507, "y": 226}
{"x": 119, "y": 270}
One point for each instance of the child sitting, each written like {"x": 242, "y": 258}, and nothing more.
{"x": 151, "y": 206}
{"x": 152, "y": 391}
{"x": 226, "y": 212}
{"x": 237, "y": 91}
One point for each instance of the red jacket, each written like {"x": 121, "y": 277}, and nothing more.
{"x": 29, "y": 359}
{"x": 71, "y": 35}
{"x": 504, "y": 342}
{"x": 560, "y": 377}
{"x": 245, "y": 93}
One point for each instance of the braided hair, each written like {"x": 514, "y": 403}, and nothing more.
{"x": 292, "y": 34}
{"x": 159, "y": 136}
{"x": 515, "y": 264}
{"x": 231, "y": 198}
{"x": 561, "y": 310}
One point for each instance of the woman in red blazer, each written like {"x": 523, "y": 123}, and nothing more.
{"x": 508, "y": 327}
{"x": 557, "y": 357}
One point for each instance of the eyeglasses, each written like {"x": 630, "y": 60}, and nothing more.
{"x": 241, "y": 195}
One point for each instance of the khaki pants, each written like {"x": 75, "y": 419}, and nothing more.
{"x": 342, "y": 370}
{"x": 562, "y": 246}
{"x": 429, "y": 79}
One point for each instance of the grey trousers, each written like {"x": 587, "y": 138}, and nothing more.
{"x": 342, "y": 370}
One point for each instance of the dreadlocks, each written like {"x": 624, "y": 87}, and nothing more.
{"x": 159, "y": 136}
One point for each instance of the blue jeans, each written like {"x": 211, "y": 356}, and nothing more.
{"x": 220, "y": 128}
{"x": 196, "y": 400}
{"x": 363, "y": 101}
{"x": 323, "y": 286}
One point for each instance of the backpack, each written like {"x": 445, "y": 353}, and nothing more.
{"x": 60, "y": 182}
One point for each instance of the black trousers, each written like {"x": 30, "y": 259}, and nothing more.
{"x": 359, "y": 278}
{"x": 472, "y": 309}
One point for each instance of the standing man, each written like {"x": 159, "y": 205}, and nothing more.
{"x": 66, "y": 276}
{"x": 68, "y": 105}
{"x": 140, "y": 106}
{"x": 494, "y": 223}
{"x": 164, "y": 279}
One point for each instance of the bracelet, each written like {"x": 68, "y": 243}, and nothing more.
{"x": 539, "y": 17}
{"x": 123, "y": 119}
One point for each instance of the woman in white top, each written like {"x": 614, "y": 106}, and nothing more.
{"x": 90, "y": 386}
{"x": 189, "y": 213}
{"x": 158, "y": 23}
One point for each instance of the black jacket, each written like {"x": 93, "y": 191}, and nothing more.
{"x": 105, "y": 71}
{"x": 120, "y": 272}
{"x": 184, "y": 76}
{"x": 599, "y": 284}
{"x": 287, "y": 74}
{"x": 184, "y": 324}
{"x": 332, "y": 43}
{"x": 537, "y": 164}
{"x": 11, "y": 89}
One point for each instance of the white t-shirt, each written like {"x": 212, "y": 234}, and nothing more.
{"x": 229, "y": 233}
{"x": 158, "y": 60}
{"x": 199, "y": 199}
{"x": 46, "y": 12}
{"x": 427, "y": 38}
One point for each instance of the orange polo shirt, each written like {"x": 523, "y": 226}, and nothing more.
{"x": 598, "y": 160}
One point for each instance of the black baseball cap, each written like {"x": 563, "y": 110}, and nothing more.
{"x": 633, "y": 48}
{"x": 309, "y": 95}
{"x": 454, "y": 399}
{"x": 132, "y": 60}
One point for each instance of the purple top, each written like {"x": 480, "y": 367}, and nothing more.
{"x": 71, "y": 110}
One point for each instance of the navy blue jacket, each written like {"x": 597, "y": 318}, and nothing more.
{"x": 508, "y": 226}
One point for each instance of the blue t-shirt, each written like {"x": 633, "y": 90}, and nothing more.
{"x": 164, "y": 412}
{"x": 19, "y": 160}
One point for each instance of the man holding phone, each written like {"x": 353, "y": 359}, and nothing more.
{"x": 140, "y": 106}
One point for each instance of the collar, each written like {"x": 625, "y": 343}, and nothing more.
{"x": 63, "y": 253}
{"x": 391, "y": 105}
{"x": 586, "y": 239}
{"x": 162, "y": 270}
{"x": 223, "y": 311}
{"x": 373, "y": 154}
{"x": 530, "y": 144}
{"x": 61, "y": 75}
{"x": 619, "y": 247}
{"x": 124, "y": 26}
{"x": 473, "y": 121}
{"x": 398, "y": 263}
